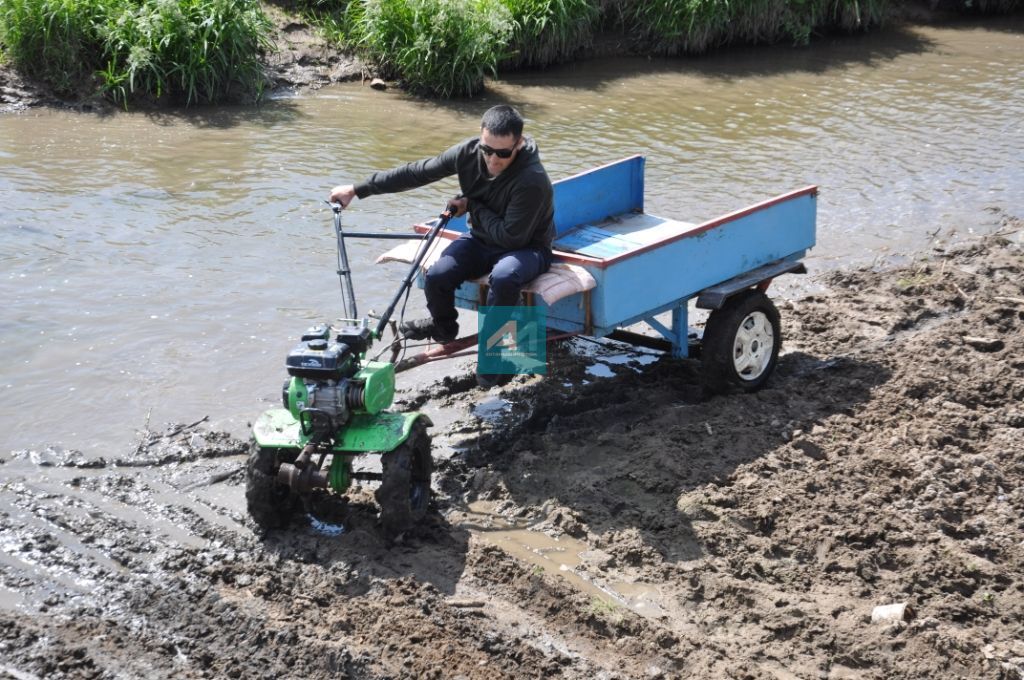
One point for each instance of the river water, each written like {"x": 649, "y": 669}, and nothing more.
{"x": 157, "y": 267}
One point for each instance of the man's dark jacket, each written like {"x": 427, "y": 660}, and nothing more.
{"x": 511, "y": 211}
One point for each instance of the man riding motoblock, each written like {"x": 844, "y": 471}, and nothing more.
{"x": 510, "y": 202}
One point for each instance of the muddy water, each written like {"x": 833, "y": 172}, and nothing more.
{"x": 558, "y": 553}
{"x": 157, "y": 267}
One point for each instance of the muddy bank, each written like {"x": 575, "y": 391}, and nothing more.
{"x": 588, "y": 527}
{"x": 303, "y": 59}
{"x": 17, "y": 94}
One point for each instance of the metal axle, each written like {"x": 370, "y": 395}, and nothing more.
{"x": 302, "y": 476}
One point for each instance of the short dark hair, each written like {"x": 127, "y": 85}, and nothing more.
{"x": 502, "y": 120}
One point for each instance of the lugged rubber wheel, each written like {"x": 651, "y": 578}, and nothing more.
{"x": 270, "y": 503}
{"x": 404, "y": 492}
{"x": 741, "y": 343}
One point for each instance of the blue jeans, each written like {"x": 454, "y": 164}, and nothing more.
{"x": 469, "y": 258}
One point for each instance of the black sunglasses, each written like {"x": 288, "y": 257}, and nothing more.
{"x": 500, "y": 153}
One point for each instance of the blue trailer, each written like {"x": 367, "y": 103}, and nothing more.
{"x": 616, "y": 265}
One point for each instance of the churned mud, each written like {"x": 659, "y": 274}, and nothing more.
{"x": 608, "y": 521}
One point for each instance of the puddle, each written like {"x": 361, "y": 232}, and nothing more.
{"x": 492, "y": 409}
{"x": 638, "y": 357}
{"x": 11, "y": 600}
{"x": 607, "y": 353}
{"x": 565, "y": 556}
{"x": 600, "y": 371}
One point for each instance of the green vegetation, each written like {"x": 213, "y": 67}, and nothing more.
{"x": 446, "y": 47}
{"x": 179, "y": 50}
{"x": 549, "y": 31}
{"x": 209, "y": 50}
{"x": 681, "y": 26}
{"x": 605, "y": 609}
{"x": 338, "y": 20}
{"x": 50, "y": 40}
{"x": 442, "y": 47}
{"x": 202, "y": 50}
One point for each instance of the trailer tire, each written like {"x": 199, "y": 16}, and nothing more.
{"x": 270, "y": 503}
{"x": 404, "y": 491}
{"x": 741, "y": 343}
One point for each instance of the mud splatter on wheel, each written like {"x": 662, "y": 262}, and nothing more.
{"x": 404, "y": 492}
{"x": 741, "y": 343}
{"x": 270, "y": 503}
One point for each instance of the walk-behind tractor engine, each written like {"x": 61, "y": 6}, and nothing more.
{"x": 335, "y": 402}
{"x": 323, "y": 382}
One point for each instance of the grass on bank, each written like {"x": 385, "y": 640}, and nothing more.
{"x": 447, "y": 47}
{"x": 48, "y": 40}
{"x": 549, "y": 31}
{"x": 441, "y": 47}
{"x": 209, "y": 50}
{"x": 190, "y": 51}
{"x": 670, "y": 27}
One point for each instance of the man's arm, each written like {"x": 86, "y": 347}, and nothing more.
{"x": 411, "y": 175}
{"x": 516, "y": 229}
{"x": 402, "y": 178}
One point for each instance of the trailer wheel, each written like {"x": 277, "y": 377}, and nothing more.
{"x": 404, "y": 492}
{"x": 270, "y": 503}
{"x": 741, "y": 343}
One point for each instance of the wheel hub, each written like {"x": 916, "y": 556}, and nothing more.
{"x": 752, "y": 351}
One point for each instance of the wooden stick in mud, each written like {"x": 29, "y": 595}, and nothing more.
{"x": 215, "y": 479}
{"x": 182, "y": 428}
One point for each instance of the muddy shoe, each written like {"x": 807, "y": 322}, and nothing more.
{"x": 421, "y": 329}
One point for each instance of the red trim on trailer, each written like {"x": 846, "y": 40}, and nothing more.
{"x": 576, "y": 258}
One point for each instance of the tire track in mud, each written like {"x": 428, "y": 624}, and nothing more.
{"x": 120, "y": 575}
